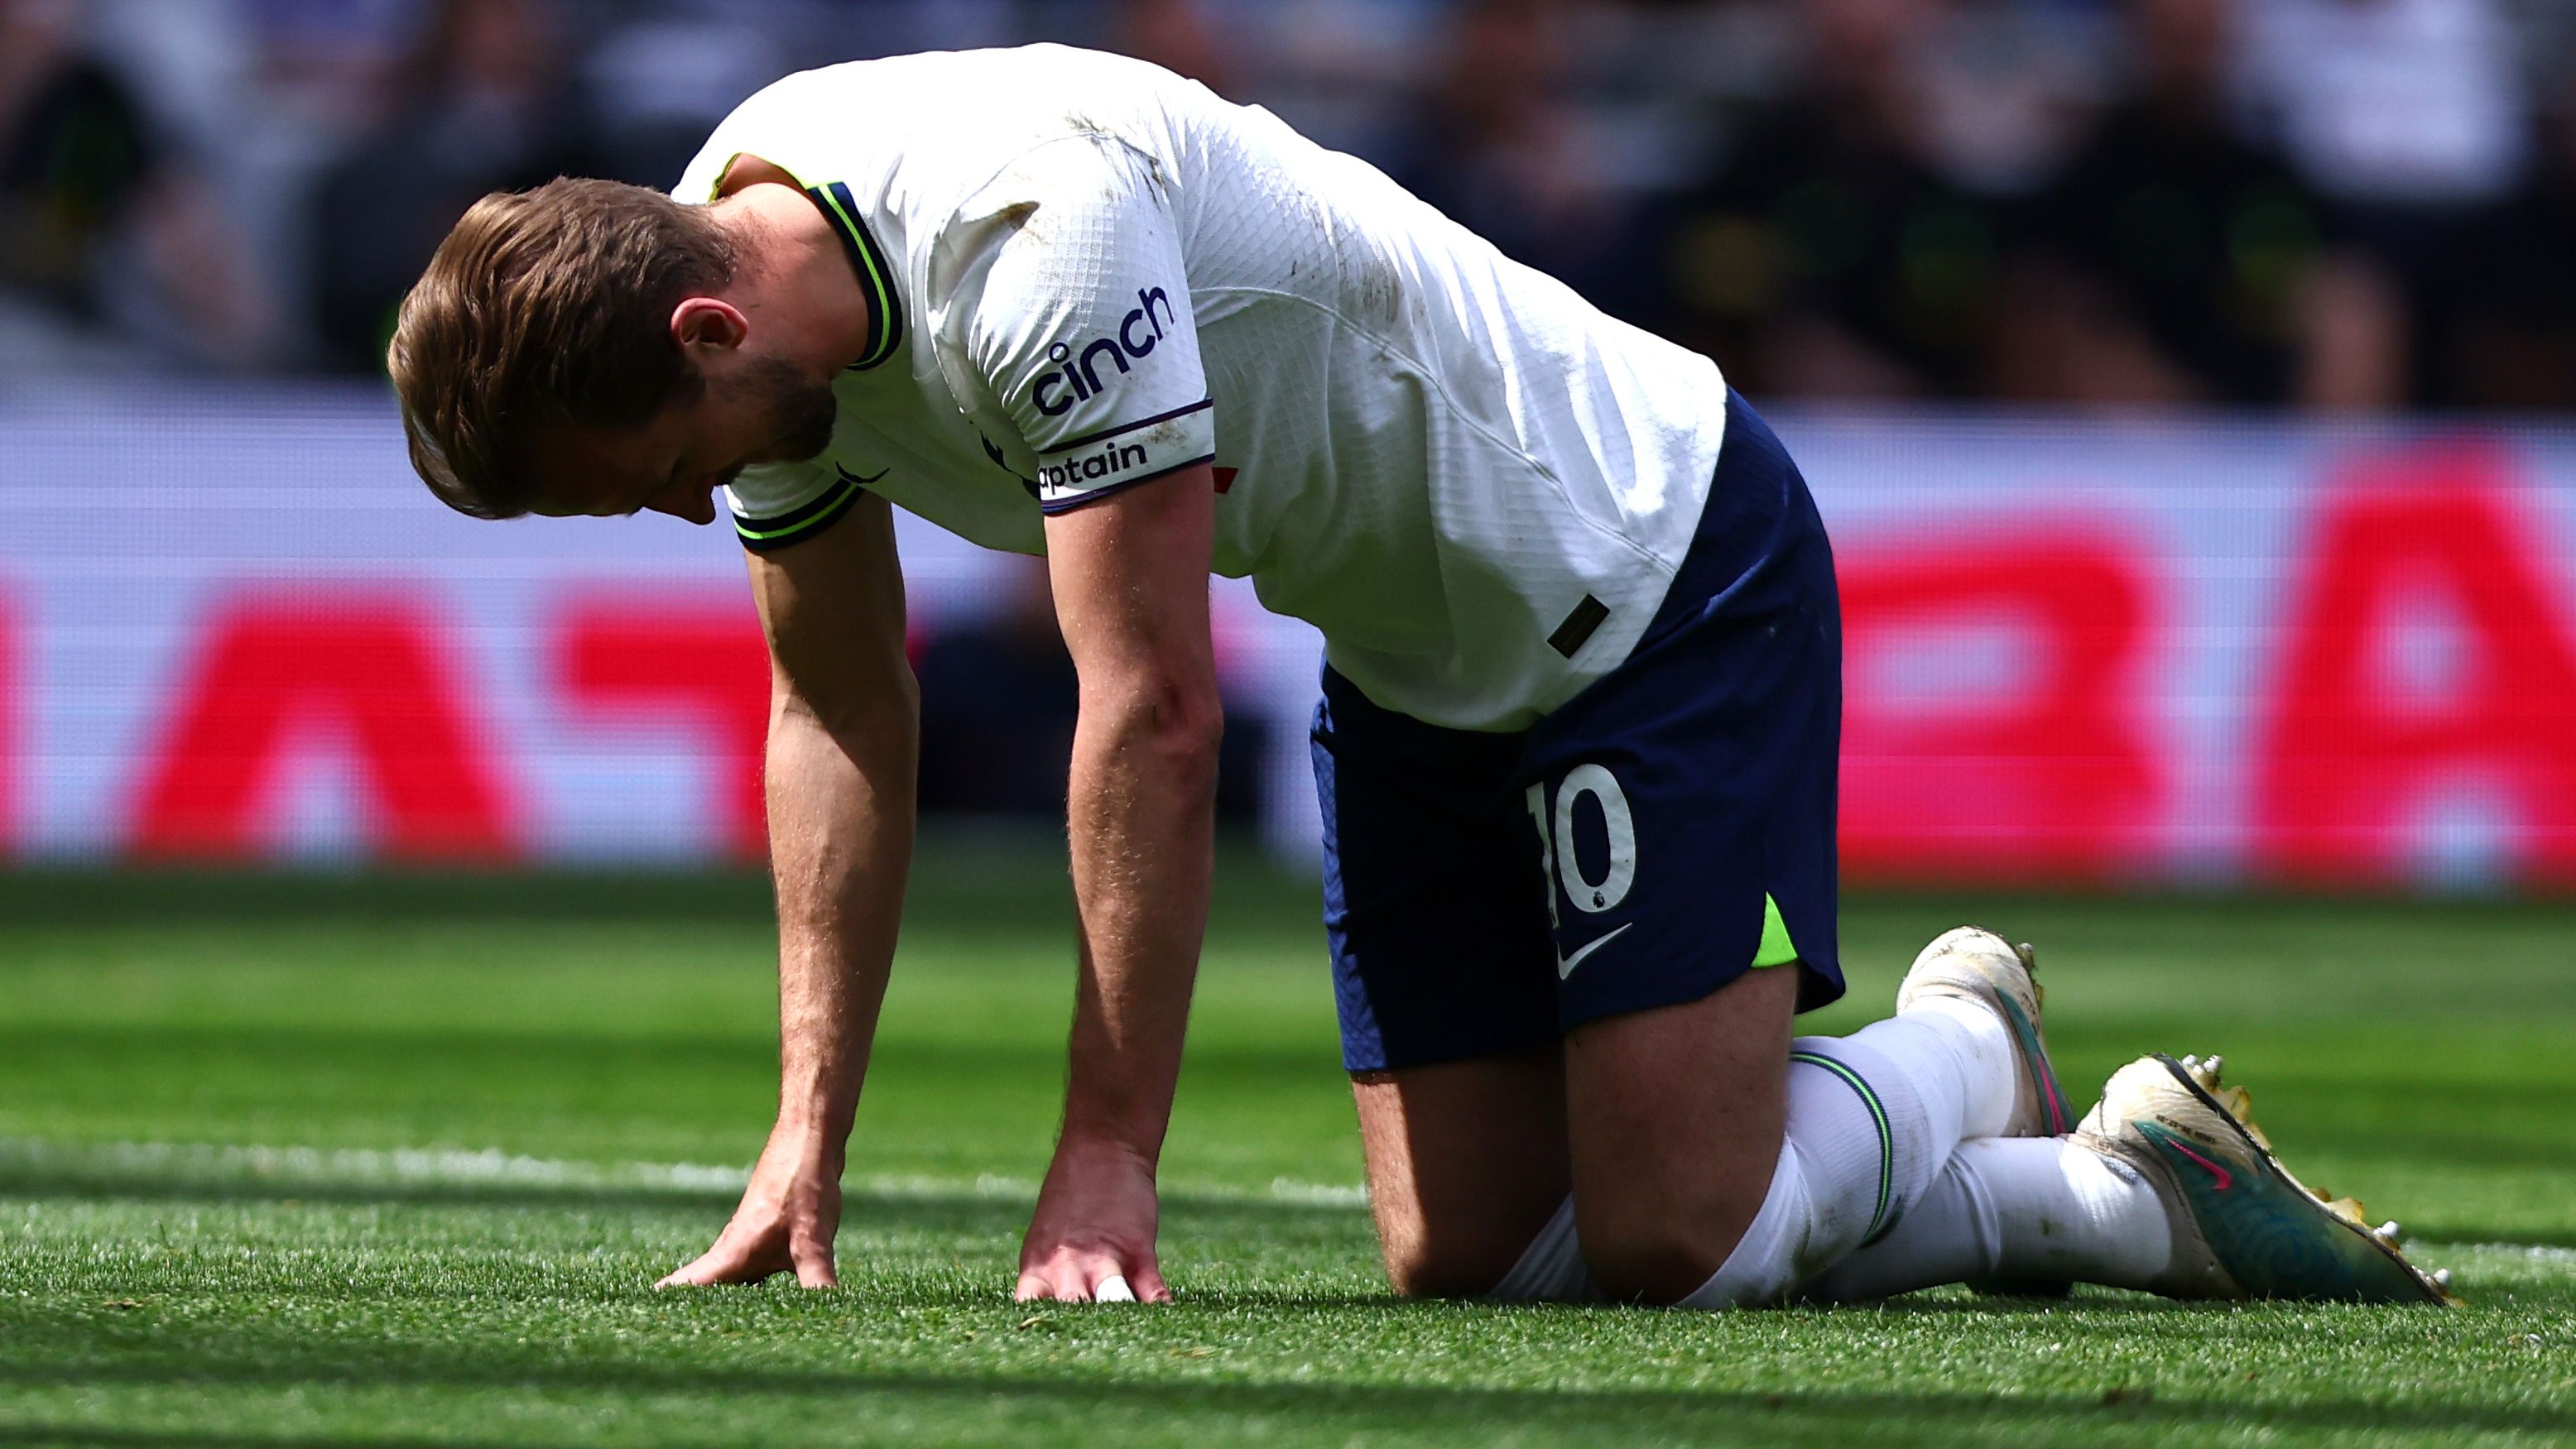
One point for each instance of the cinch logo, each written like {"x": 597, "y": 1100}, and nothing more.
{"x": 1073, "y": 472}
{"x": 1080, "y": 374}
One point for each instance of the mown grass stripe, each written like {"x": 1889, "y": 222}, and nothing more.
{"x": 214, "y": 1162}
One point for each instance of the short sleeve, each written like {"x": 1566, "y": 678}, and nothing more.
{"x": 774, "y": 505}
{"x": 1082, "y": 327}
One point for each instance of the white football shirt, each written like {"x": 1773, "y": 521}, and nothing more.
{"x": 1087, "y": 272}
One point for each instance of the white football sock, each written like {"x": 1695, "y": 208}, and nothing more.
{"x": 1980, "y": 1049}
{"x": 2040, "y": 1208}
{"x": 1552, "y": 1269}
{"x": 1872, "y": 1117}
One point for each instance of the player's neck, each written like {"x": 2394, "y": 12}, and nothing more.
{"x": 795, "y": 277}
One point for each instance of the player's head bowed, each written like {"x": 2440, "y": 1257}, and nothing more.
{"x": 547, "y": 309}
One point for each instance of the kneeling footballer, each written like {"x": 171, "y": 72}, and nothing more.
{"x": 1580, "y": 710}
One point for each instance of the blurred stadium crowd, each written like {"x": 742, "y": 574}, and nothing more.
{"x": 2316, "y": 203}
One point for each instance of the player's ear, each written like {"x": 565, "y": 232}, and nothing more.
{"x": 708, "y": 322}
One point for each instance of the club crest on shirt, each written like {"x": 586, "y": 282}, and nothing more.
{"x": 1076, "y": 375}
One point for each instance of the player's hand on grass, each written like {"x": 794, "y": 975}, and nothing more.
{"x": 786, "y": 1223}
{"x": 1095, "y": 1222}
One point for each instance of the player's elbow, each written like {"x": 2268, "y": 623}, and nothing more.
{"x": 1174, "y": 718}
{"x": 1187, "y": 721}
{"x": 877, "y": 718}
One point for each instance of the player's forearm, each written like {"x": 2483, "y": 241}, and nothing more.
{"x": 1141, "y": 808}
{"x": 841, "y": 830}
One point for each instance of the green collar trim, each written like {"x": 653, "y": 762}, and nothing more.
{"x": 867, "y": 259}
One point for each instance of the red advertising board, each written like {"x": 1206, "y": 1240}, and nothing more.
{"x": 2205, "y": 649}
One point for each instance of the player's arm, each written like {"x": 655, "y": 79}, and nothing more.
{"x": 844, "y": 731}
{"x": 1078, "y": 340}
{"x": 1130, "y": 573}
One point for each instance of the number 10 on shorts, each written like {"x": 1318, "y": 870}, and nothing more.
{"x": 1563, "y": 863}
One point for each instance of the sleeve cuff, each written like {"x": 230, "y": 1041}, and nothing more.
{"x": 763, "y": 535}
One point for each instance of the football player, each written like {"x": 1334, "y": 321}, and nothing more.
{"x": 1580, "y": 708}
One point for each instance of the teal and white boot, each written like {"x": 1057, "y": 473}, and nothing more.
{"x": 2243, "y": 1227}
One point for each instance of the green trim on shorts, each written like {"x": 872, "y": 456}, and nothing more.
{"x": 1775, "y": 949}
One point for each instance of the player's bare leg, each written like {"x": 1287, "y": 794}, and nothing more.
{"x": 1466, "y": 1163}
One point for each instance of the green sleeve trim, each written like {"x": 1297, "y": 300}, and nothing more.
{"x": 760, "y": 535}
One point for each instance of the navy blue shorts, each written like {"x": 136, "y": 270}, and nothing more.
{"x": 1645, "y": 844}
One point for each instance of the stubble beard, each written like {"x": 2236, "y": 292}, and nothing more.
{"x": 801, "y": 410}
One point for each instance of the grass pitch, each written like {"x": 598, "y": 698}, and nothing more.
{"x": 292, "y": 1161}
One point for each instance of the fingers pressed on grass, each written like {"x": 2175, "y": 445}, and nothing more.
{"x": 727, "y": 1264}
{"x": 700, "y": 1271}
{"x": 1062, "y": 1279}
{"x": 1050, "y": 1288}
{"x": 695, "y": 1275}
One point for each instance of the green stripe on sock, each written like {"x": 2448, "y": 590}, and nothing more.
{"x": 1886, "y": 1139}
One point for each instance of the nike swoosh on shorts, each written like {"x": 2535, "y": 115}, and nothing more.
{"x": 1565, "y": 964}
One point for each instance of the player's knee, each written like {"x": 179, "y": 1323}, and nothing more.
{"x": 1714, "y": 1250}
{"x": 1426, "y": 1270}
{"x": 1662, "y": 1264}
{"x": 1659, "y": 1252}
